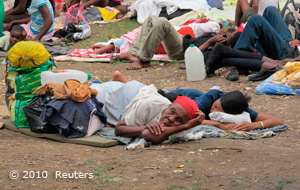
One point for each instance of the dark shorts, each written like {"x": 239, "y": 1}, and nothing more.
{"x": 113, "y": 3}
{"x": 10, "y": 18}
{"x": 246, "y": 15}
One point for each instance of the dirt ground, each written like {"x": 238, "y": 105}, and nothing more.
{"x": 211, "y": 163}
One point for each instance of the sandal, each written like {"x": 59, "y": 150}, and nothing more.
{"x": 118, "y": 59}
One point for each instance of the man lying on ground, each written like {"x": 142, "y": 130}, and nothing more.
{"x": 268, "y": 35}
{"x": 154, "y": 117}
{"x": 156, "y": 30}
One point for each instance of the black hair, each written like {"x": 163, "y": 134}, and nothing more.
{"x": 17, "y": 28}
{"x": 235, "y": 102}
{"x": 231, "y": 30}
{"x": 169, "y": 95}
{"x": 234, "y": 39}
{"x": 53, "y": 6}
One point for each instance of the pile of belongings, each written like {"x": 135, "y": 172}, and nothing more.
{"x": 289, "y": 76}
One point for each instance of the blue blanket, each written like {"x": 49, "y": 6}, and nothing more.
{"x": 205, "y": 131}
{"x": 269, "y": 88}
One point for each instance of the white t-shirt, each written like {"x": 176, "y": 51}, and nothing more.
{"x": 263, "y": 4}
{"x": 201, "y": 28}
{"x": 146, "y": 106}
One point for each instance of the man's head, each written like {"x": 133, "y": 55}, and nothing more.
{"x": 122, "y": 8}
{"x": 17, "y": 34}
{"x": 179, "y": 112}
{"x": 232, "y": 38}
{"x": 233, "y": 102}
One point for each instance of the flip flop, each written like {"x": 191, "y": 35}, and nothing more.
{"x": 118, "y": 59}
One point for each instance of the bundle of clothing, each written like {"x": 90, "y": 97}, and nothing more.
{"x": 74, "y": 32}
{"x": 74, "y": 111}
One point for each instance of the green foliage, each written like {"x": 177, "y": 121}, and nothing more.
{"x": 100, "y": 32}
{"x": 283, "y": 183}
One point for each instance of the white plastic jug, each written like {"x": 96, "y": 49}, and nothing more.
{"x": 59, "y": 76}
{"x": 194, "y": 63}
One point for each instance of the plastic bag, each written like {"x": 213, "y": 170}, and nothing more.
{"x": 33, "y": 111}
{"x": 74, "y": 15}
{"x": 21, "y": 82}
{"x": 28, "y": 54}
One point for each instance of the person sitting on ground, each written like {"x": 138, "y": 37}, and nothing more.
{"x": 290, "y": 13}
{"x": 244, "y": 9}
{"x": 41, "y": 23}
{"x": 234, "y": 103}
{"x": 268, "y": 35}
{"x": 139, "y": 110}
{"x": 17, "y": 12}
{"x": 17, "y": 34}
{"x": 97, "y": 3}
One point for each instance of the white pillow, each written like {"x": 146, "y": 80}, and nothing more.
{"x": 230, "y": 118}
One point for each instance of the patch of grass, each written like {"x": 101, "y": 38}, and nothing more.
{"x": 100, "y": 32}
{"x": 239, "y": 182}
{"x": 122, "y": 171}
{"x": 102, "y": 177}
{"x": 87, "y": 162}
{"x": 191, "y": 160}
{"x": 196, "y": 182}
{"x": 206, "y": 181}
{"x": 138, "y": 170}
{"x": 283, "y": 183}
{"x": 174, "y": 187}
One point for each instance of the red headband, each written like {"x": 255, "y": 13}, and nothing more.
{"x": 188, "y": 104}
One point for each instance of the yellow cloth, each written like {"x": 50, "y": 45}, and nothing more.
{"x": 28, "y": 54}
{"x": 290, "y": 75}
{"x": 192, "y": 15}
{"x": 108, "y": 13}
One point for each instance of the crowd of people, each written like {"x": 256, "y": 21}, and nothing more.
{"x": 153, "y": 114}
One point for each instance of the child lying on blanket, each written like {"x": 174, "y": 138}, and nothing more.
{"x": 155, "y": 117}
{"x": 113, "y": 45}
{"x": 106, "y": 13}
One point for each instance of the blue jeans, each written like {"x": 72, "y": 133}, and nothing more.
{"x": 204, "y": 100}
{"x": 268, "y": 34}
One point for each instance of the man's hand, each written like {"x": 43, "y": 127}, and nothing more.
{"x": 7, "y": 26}
{"x": 200, "y": 117}
{"x": 217, "y": 38}
{"x": 223, "y": 32}
{"x": 227, "y": 126}
{"x": 294, "y": 43}
{"x": 245, "y": 126}
{"x": 155, "y": 127}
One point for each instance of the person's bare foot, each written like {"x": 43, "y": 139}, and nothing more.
{"x": 117, "y": 76}
{"x": 231, "y": 22}
{"x": 97, "y": 46}
{"x": 138, "y": 64}
{"x": 128, "y": 57}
